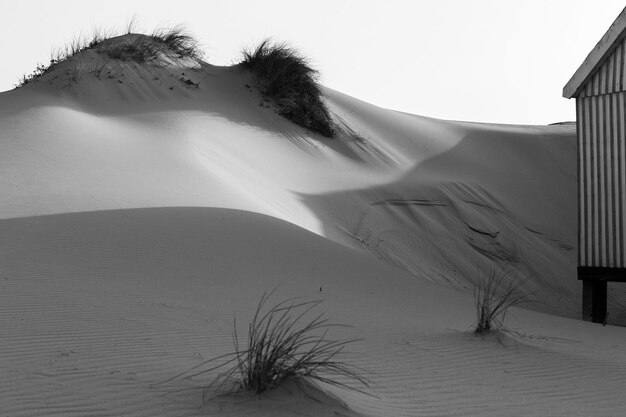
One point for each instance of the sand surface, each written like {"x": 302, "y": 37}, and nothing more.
{"x": 138, "y": 218}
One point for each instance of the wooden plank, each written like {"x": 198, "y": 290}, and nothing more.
{"x": 623, "y": 66}
{"x": 619, "y": 67}
{"x": 621, "y": 113}
{"x": 588, "y": 168}
{"x": 604, "y": 77}
{"x": 616, "y": 234}
{"x": 595, "y": 255}
{"x": 609, "y": 173}
{"x": 592, "y": 273}
{"x": 601, "y": 180}
{"x": 582, "y": 224}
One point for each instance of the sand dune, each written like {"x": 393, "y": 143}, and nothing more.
{"x": 141, "y": 213}
{"x": 100, "y": 307}
{"x": 420, "y": 181}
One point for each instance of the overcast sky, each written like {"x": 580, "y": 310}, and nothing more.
{"x": 495, "y": 61}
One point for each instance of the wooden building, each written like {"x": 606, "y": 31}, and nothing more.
{"x": 599, "y": 86}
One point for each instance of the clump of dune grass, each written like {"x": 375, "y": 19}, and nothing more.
{"x": 40, "y": 70}
{"x": 286, "y": 340}
{"x": 288, "y": 79}
{"x": 492, "y": 299}
{"x": 58, "y": 55}
{"x": 172, "y": 43}
{"x": 177, "y": 43}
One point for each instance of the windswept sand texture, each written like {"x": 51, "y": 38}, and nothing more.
{"x": 139, "y": 214}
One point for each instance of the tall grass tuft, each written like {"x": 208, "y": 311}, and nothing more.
{"x": 284, "y": 341}
{"x": 177, "y": 43}
{"x": 492, "y": 299}
{"x": 173, "y": 43}
{"x": 58, "y": 55}
{"x": 288, "y": 79}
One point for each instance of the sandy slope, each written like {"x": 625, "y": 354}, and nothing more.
{"x": 393, "y": 184}
{"x": 100, "y": 307}
{"x": 122, "y": 260}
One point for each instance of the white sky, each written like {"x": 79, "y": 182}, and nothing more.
{"x": 500, "y": 61}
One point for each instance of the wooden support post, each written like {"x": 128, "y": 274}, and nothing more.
{"x": 594, "y": 300}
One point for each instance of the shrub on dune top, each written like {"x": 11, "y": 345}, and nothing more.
{"x": 173, "y": 43}
{"x": 287, "y": 78}
{"x": 177, "y": 43}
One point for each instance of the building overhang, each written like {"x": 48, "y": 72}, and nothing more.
{"x": 597, "y": 56}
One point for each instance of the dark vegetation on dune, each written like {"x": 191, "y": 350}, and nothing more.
{"x": 287, "y": 78}
{"x": 284, "y": 77}
{"x": 172, "y": 43}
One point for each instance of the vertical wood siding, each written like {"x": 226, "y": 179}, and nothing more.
{"x": 610, "y": 77}
{"x": 601, "y": 127}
